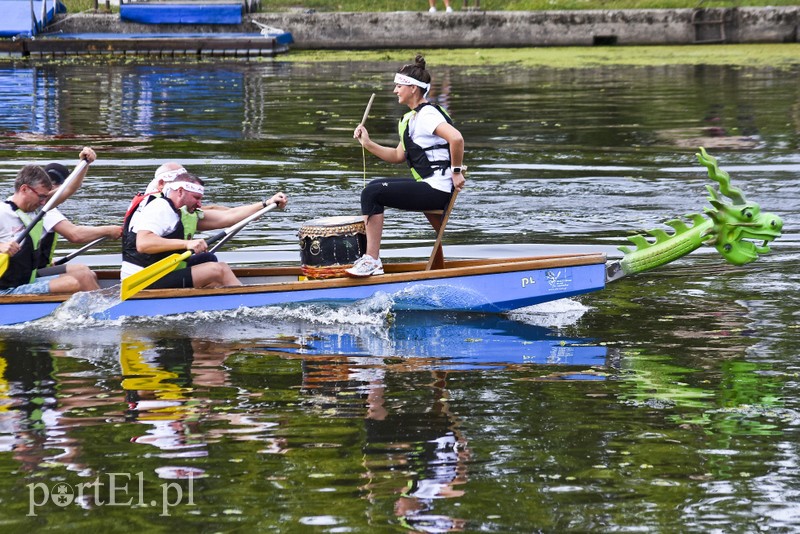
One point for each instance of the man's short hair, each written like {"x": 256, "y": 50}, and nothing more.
{"x": 32, "y": 176}
{"x": 189, "y": 177}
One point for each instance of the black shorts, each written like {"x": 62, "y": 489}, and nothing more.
{"x": 182, "y": 278}
{"x": 401, "y": 193}
{"x": 179, "y": 278}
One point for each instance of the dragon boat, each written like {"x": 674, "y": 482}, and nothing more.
{"x": 739, "y": 230}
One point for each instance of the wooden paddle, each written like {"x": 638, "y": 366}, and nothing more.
{"x": 47, "y": 207}
{"x": 152, "y": 273}
{"x": 366, "y": 111}
{"x": 363, "y": 150}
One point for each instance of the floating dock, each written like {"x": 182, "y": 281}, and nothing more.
{"x": 26, "y": 18}
{"x": 168, "y": 45}
{"x": 189, "y": 28}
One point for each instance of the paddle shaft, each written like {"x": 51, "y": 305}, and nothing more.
{"x": 225, "y": 235}
{"x": 84, "y": 248}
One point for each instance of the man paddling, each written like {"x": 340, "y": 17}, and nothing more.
{"x": 32, "y": 190}
{"x": 167, "y": 224}
{"x": 56, "y": 223}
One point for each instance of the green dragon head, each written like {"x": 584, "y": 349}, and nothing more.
{"x": 740, "y": 231}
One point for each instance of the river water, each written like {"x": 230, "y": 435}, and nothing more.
{"x": 667, "y": 402}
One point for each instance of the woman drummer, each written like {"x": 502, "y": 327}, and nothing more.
{"x": 433, "y": 148}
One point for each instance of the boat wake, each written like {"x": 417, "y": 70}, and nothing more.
{"x": 82, "y": 309}
{"x": 86, "y": 310}
{"x": 376, "y": 311}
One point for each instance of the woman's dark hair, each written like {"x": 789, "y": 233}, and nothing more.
{"x": 417, "y": 70}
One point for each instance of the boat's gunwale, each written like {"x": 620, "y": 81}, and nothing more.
{"x": 395, "y": 273}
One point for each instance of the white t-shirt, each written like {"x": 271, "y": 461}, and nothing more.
{"x": 157, "y": 217}
{"x": 10, "y": 223}
{"x": 420, "y": 128}
{"x": 51, "y": 219}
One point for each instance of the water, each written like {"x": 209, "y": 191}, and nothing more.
{"x": 667, "y": 402}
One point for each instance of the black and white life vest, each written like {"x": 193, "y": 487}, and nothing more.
{"x": 417, "y": 156}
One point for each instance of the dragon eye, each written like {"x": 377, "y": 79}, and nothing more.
{"x": 727, "y": 247}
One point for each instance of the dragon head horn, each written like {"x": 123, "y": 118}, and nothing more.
{"x": 721, "y": 177}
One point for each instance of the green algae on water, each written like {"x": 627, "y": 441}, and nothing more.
{"x": 749, "y": 55}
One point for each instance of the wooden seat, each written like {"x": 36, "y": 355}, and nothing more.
{"x": 438, "y": 219}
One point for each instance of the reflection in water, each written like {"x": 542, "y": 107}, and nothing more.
{"x": 432, "y": 452}
{"x": 140, "y": 100}
{"x": 166, "y": 380}
{"x": 459, "y": 341}
{"x": 269, "y": 400}
{"x": 28, "y": 408}
{"x": 157, "y": 386}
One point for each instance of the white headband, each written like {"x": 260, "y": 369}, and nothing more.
{"x": 169, "y": 174}
{"x": 402, "y": 79}
{"x": 186, "y": 186}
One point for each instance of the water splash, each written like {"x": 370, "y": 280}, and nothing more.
{"x": 83, "y": 309}
{"x": 555, "y": 314}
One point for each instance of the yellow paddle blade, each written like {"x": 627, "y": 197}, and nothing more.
{"x": 147, "y": 276}
{"x": 3, "y": 263}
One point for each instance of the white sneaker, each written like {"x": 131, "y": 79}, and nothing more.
{"x": 449, "y": 9}
{"x": 365, "y": 266}
{"x": 432, "y": 10}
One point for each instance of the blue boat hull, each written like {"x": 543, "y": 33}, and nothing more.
{"x": 475, "y": 286}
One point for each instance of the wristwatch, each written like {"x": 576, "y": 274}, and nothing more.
{"x": 456, "y": 170}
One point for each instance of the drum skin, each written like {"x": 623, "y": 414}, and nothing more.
{"x": 330, "y": 245}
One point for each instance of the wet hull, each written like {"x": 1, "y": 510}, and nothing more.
{"x": 486, "y": 286}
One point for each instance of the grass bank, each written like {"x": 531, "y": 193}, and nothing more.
{"x": 754, "y": 55}
{"x": 75, "y": 6}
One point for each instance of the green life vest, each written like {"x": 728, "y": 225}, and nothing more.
{"x": 35, "y": 235}
{"x": 49, "y": 242}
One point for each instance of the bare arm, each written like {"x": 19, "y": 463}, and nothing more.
{"x": 149, "y": 243}
{"x": 83, "y": 234}
{"x": 388, "y": 154}
{"x": 215, "y": 219}
{"x": 456, "y": 141}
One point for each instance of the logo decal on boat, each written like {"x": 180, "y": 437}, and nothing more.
{"x": 528, "y": 281}
{"x": 558, "y": 280}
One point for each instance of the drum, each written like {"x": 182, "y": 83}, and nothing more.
{"x": 330, "y": 245}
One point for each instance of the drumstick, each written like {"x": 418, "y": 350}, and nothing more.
{"x": 363, "y": 151}
{"x": 366, "y": 111}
